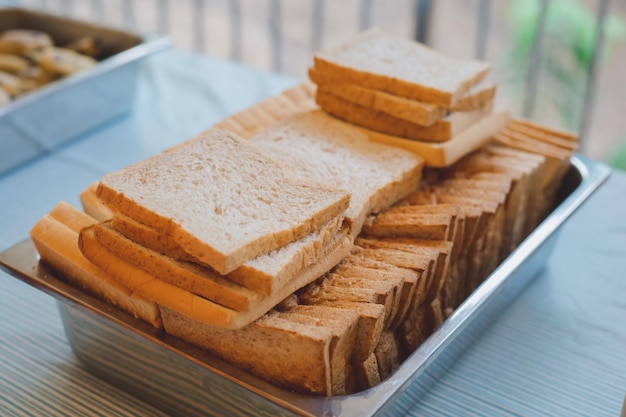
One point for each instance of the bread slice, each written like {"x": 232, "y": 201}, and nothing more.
{"x": 319, "y": 147}
{"x": 265, "y": 274}
{"x": 419, "y": 222}
{"x": 387, "y": 355}
{"x": 94, "y": 206}
{"x": 186, "y": 275}
{"x": 369, "y": 327}
{"x": 197, "y": 307}
{"x": 344, "y": 325}
{"x": 442, "y": 130}
{"x": 367, "y": 374}
{"x": 289, "y": 354}
{"x": 234, "y": 203}
{"x": 418, "y": 112}
{"x": 413, "y": 111}
{"x": 55, "y": 238}
{"x": 381, "y": 61}
{"x": 446, "y": 153}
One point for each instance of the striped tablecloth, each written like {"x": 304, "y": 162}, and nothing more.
{"x": 560, "y": 349}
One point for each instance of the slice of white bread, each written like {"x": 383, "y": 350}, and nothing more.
{"x": 195, "y": 306}
{"x": 406, "y": 68}
{"x": 55, "y": 237}
{"x": 321, "y": 148}
{"x": 442, "y": 130}
{"x": 417, "y": 112}
{"x": 447, "y": 153}
{"x": 221, "y": 199}
{"x": 265, "y": 274}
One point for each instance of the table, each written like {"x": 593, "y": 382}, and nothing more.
{"x": 560, "y": 349}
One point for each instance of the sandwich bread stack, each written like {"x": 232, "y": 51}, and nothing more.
{"x": 403, "y": 93}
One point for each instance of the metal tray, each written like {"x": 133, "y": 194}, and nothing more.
{"x": 47, "y": 117}
{"x": 181, "y": 379}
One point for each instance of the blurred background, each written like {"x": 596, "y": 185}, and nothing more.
{"x": 560, "y": 62}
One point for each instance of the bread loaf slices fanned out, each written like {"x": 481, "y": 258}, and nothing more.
{"x": 318, "y": 147}
{"x": 221, "y": 199}
{"x": 381, "y": 61}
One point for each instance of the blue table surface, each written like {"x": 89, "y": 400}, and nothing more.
{"x": 559, "y": 349}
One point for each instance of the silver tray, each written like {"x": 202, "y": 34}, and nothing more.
{"x": 183, "y": 380}
{"x": 38, "y": 122}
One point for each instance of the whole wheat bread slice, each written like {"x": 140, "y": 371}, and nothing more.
{"x": 381, "y": 61}
{"x": 234, "y": 203}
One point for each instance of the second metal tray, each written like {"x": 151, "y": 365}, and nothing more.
{"x": 37, "y": 122}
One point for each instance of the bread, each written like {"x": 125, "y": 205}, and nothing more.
{"x": 236, "y": 203}
{"x": 380, "y": 61}
{"x": 264, "y": 274}
{"x": 417, "y": 112}
{"x": 94, "y": 206}
{"x": 442, "y": 130}
{"x": 446, "y": 153}
{"x": 292, "y": 355}
{"x": 343, "y": 324}
{"x": 55, "y": 236}
{"x": 195, "y": 306}
{"x": 254, "y": 119}
{"x": 186, "y": 275}
{"x": 318, "y": 147}
{"x": 420, "y": 222}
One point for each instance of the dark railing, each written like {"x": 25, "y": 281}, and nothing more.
{"x": 127, "y": 12}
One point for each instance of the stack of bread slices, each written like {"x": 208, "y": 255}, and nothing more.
{"x": 404, "y": 93}
{"x": 289, "y": 243}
